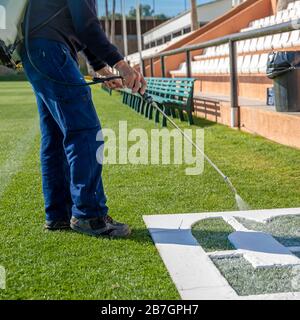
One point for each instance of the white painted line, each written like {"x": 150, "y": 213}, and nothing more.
{"x": 234, "y": 223}
{"x": 181, "y": 252}
{"x": 225, "y": 254}
{"x": 194, "y": 274}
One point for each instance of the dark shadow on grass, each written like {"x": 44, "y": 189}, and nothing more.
{"x": 203, "y": 123}
{"x": 13, "y": 78}
{"x": 288, "y": 241}
{"x": 137, "y": 235}
{"x": 213, "y": 240}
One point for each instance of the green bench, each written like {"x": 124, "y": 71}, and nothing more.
{"x": 172, "y": 95}
{"x": 104, "y": 87}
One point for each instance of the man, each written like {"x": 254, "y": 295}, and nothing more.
{"x": 72, "y": 182}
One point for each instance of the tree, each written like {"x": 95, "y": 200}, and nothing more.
{"x": 283, "y": 4}
{"x": 106, "y": 19}
{"x": 146, "y": 11}
{"x": 194, "y": 15}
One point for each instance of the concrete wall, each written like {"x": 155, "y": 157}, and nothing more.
{"x": 279, "y": 127}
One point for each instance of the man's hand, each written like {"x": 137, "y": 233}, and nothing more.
{"x": 132, "y": 78}
{"x": 113, "y": 84}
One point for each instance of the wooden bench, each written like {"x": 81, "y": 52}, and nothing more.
{"x": 170, "y": 94}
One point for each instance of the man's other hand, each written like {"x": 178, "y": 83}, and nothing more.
{"x": 113, "y": 84}
{"x": 132, "y": 79}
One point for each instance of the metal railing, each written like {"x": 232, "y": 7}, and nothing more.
{"x": 231, "y": 40}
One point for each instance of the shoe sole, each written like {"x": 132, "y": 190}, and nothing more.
{"x": 126, "y": 233}
{"x": 56, "y": 229}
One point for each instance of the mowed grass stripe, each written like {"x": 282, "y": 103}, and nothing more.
{"x": 18, "y": 128}
{"x": 42, "y": 265}
{"x": 65, "y": 265}
{"x": 16, "y": 156}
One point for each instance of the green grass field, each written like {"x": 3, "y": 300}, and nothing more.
{"x": 65, "y": 265}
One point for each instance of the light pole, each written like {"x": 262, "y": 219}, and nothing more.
{"x": 124, "y": 28}
{"x": 139, "y": 33}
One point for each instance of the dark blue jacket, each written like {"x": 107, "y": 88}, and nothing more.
{"x": 77, "y": 26}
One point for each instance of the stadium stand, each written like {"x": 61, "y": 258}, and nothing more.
{"x": 134, "y": 58}
{"x": 253, "y": 54}
{"x": 211, "y": 68}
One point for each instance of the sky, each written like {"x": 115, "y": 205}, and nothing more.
{"x": 168, "y": 7}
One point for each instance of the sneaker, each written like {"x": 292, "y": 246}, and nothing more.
{"x": 100, "y": 227}
{"x": 57, "y": 225}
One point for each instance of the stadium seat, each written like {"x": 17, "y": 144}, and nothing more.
{"x": 260, "y": 43}
{"x": 240, "y": 46}
{"x": 246, "y": 64}
{"x": 247, "y": 45}
{"x": 224, "y": 65}
{"x": 253, "y": 45}
{"x": 268, "y": 43}
{"x": 254, "y": 64}
{"x": 295, "y": 38}
{"x": 240, "y": 62}
{"x": 262, "y": 65}
{"x": 277, "y": 41}
{"x": 294, "y": 5}
{"x": 285, "y": 39}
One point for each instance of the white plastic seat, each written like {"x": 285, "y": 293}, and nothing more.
{"x": 285, "y": 16}
{"x": 291, "y": 5}
{"x": 277, "y": 43}
{"x": 246, "y": 64}
{"x": 260, "y": 43}
{"x": 224, "y": 66}
{"x": 240, "y": 46}
{"x": 247, "y": 46}
{"x": 296, "y": 4}
{"x": 215, "y": 66}
{"x": 205, "y": 66}
{"x": 254, "y": 63}
{"x": 246, "y": 29}
{"x": 271, "y": 21}
{"x": 195, "y": 67}
{"x": 255, "y": 23}
{"x": 218, "y": 50}
{"x": 253, "y": 45}
{"x": 202, "y": 66}
{"x": 278, "y": 17}
{"x": 268, "y": 43}
{"x": 262, "y": 65}
{"x": 265, "y": 22}
{"x": 285, "y": 39}
{"x": 182, "y": 68}
{"x": 208, "y": 66}
{"x": 240, "y": 63}
{"x": 224, "y": 50}
{"x": 211, "y": 52}
{"x": 295, "y": 38}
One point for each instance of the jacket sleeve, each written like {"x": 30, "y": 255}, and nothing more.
{"x": 95, "y": 62}
{"x": 89, "y": 31}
